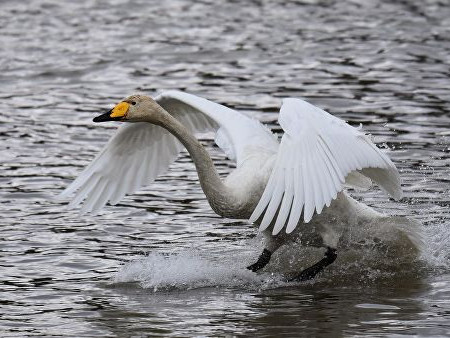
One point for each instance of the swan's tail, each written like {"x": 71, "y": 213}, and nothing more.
{"x": 409, "y": 235}
{"x": 391, "y": 236}
{"x": 413, "y": 229}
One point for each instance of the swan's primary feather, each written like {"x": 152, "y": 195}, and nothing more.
{"x": 317, "y": 153}
{"x": 141, "y": 151}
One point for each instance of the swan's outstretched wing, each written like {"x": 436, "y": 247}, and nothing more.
{"x": 132, "y": 158}
{"x": 139, "y": 152}
{"x": 317, "y": 152}
{"x": 236, "y": 133}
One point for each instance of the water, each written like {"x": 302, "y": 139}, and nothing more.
{"x": 161, "y": 262}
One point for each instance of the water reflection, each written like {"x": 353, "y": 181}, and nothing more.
{"x": 307, "y": 310}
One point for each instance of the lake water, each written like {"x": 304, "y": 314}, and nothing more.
{"x": 161, "y": 262}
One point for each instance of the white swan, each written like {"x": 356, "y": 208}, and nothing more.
{"x": 290, "y": 188}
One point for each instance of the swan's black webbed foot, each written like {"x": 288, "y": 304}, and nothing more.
{"x": 262, "y": 261}
{"x": 312, "y": 271}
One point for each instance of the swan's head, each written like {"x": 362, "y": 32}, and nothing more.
{"x": 135, "y": 108}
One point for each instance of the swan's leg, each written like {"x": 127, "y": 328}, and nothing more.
{"x": 272, "y": 243}
{"x": 262, "y": 261}
{"x": 330, "y": 238}
{"x": 312, "y": 271}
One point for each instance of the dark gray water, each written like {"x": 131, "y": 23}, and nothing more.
{"x": 161, "y": 262}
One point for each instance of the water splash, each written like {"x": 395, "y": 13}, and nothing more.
{"x": 437, "y": 251}
{"x": 367, "y": 263}
{"x": 188, "y": 270}
{"x": 369, "y": 253}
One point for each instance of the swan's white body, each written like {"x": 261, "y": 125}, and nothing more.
{"x": 292, "y": 186}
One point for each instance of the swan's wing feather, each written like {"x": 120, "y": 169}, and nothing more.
{"x": 139, "y": 152}
{"x": 358, "y": 180}
{"x": 317, "y": 153}
{"x": 236, "y": 133}
{"x": 124, "y": 165}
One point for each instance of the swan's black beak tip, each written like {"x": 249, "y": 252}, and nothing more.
{"x": 104, "y": 117}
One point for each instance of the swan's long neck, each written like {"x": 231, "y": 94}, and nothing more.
{"x": 219, "y": 196}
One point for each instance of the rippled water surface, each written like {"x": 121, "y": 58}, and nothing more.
{"x": 161, "y": 262}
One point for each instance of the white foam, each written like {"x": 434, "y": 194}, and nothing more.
{"x": 187, "y": 270}
{"x": 437, "y": 250}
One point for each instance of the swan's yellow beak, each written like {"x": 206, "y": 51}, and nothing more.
{"x": 115, "y": 114}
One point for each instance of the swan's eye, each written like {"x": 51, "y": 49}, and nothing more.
{"x": 133, "y": 103}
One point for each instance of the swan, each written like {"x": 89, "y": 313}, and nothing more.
{"x": 292, "y": 188}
